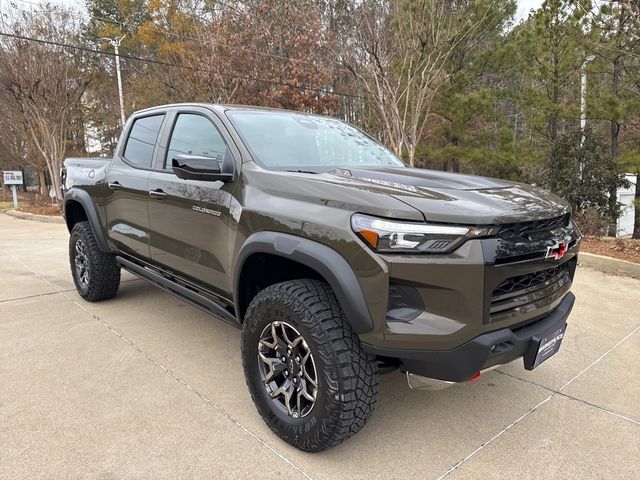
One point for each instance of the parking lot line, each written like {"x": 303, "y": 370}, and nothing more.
{"x": 553, "y": 394}
{"x": 170, "y": 372}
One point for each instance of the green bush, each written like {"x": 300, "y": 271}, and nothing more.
{"x": 584, "y": 173}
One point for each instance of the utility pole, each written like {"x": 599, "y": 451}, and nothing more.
{"x": 583, "y": 96}
{"x": 115, "y": 42}
{"x": 583, "y": 106}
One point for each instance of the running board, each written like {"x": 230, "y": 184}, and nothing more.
{"x": 182, "y": 292}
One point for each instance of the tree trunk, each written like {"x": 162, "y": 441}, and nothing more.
{"x": 411, "y": 150}
{"x": 555, "y": 100}
{"x": 636, "y": 205}
{"x": 615, "y": 131}
{"x": 455, "y": 162}
{"x": 55, "y": 180}
{"x": 42, "y": 182}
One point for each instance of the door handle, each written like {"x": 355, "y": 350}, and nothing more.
{"x": 158, "y": 194}
{"x": 114, "y": 185}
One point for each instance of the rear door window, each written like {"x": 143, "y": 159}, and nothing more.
{"x": 142, "y": 140}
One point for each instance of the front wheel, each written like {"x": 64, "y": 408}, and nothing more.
{"x": 310, "y": 379}
{"x": 95, "y": 273}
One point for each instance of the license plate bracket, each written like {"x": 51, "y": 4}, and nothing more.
{"x": 544, "y": 347}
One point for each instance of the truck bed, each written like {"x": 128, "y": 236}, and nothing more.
{"x": 84, "y": 171}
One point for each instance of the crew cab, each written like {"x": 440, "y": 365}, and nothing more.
{"x": 336, "y": 260}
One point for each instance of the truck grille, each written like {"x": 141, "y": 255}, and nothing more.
{"x": 529, "y": 291}
{"x": 522, "y": 231}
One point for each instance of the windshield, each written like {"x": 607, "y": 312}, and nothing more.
{"x": 290, "y": 141}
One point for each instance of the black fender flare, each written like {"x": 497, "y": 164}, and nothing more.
{"x": 84, "y": 199}
{"x": 327, "y": 262}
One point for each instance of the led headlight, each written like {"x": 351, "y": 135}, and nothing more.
{"x": 390, "y": 236}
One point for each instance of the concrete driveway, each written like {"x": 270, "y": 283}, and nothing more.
{"x": 146, "y": 386}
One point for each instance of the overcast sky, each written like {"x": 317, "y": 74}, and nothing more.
{"x": 524, "y": 6}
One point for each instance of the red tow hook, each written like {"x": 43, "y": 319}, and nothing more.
{"x": 475, "y": 377}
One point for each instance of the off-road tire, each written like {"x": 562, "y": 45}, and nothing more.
{"x": 347, "y": 375}
{"x": 102, "y": 274}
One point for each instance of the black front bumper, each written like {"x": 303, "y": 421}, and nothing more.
{"x": 493, "y": 348}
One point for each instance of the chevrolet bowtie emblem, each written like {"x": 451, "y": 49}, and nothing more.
{"x": 557, "y": 250}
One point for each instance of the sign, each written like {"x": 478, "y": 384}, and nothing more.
{"x": 13, "y": 177}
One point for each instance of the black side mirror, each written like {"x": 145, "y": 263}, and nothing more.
{"x": 197, "y": 167}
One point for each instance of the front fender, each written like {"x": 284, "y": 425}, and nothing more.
{"x": 327, "y": 262}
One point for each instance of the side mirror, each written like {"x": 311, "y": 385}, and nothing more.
{"x": 196, "y": 167}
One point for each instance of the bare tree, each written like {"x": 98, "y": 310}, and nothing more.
{"x": 41, "y": 84}
{"x": 267, "y": 52}
{"x": 401, "y": 51}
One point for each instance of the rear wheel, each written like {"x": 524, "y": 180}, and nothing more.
{"x": 96, "y": 274}
{"x": 310, "y": 379}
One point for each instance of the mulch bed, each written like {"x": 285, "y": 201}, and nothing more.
{"x": 41, "y": 209}
{"x": 621, "y": 248}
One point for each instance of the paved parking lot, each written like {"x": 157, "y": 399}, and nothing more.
{"x": 146, "y": 386}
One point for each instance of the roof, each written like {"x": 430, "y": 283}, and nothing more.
{"x": 224, "y": 107}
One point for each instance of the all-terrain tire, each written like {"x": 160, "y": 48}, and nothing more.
{"x": 100, "y": 278}
{"x": 347, "y": 386}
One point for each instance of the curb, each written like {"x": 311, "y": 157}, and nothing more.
{"x": 34, "y": 217}
{"x": 609, "y": 265}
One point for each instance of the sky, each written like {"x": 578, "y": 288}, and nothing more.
{"x": 524, "y": 6}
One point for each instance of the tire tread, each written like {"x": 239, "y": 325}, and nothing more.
{"x": 104, "y": 272}
{"x": 357, "y": 384}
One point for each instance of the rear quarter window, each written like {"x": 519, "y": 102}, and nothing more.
{"x": 142, "y": 140}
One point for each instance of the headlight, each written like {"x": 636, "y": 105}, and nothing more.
{"x": 390, "y": 236}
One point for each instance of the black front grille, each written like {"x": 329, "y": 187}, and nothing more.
{"x": 523, "y": 230}
{"x": 527, "y": 280}
{"x": 525, "y": 291}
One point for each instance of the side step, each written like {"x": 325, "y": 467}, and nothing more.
{"x": 183, "y": 292}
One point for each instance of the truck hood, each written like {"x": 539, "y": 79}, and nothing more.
{"x": 453, "y": 198}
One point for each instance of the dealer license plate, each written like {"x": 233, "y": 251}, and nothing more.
{"x": 545, "y": 348}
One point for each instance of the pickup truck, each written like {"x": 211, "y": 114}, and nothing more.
{"x": 337, "y": 262}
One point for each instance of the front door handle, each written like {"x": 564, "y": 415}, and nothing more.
{"x": 158, "y": 194}
{"x": 114, "y": 185}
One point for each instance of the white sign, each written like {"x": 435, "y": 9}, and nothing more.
{"x": 13, "y": 177}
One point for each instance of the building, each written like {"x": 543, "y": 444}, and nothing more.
{"x": 626, "y": 197}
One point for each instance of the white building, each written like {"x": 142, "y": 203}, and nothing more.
{"x": 626, "y": 197}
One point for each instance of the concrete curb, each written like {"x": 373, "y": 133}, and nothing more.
{"x": 34, "y": 217}
{"x": 609, "y": 265}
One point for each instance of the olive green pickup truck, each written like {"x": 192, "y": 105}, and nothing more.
{"x": 336, "y": 261}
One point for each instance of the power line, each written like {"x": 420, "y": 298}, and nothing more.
{"x": 167, "y": 64}
{"x": 200, "y": 41}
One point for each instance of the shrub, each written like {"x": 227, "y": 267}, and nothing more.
{"x": 591, "y": 222}
{"x": 584, "y": 174}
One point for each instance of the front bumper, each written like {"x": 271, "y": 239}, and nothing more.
{"x": 497, "y": 347}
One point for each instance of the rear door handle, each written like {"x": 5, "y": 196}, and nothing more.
{"x": 114, "y": 185}
{"x": 158, "y": 194}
